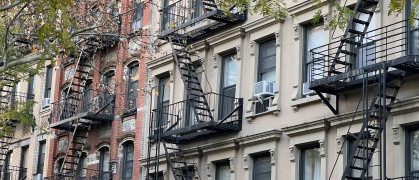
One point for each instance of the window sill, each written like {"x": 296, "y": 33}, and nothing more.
{"x": 307, "y": 100}
{"x": 251, "y": 115}
{"x": 129, "y": 112}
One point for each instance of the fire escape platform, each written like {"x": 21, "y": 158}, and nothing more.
{"x": 98, "y": 118}
{"x": 346, "y": 81}
{"x": 220, "y": 21}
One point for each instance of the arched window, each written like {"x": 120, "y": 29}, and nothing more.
{"x": 132, "y": 92}
{"x": 57, "y": 165}
{"x": 82, "y": 167}
{"x": 88, "y": 95}
{"x": 104, "y": 158}
{"x": 128, "y": 161}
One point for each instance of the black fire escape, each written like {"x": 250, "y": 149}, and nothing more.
{"x": 81, "y": 106}
{"x": 375, "y": 60}
{"x": 201, "y": 115}
{"x": 10, "y": 100}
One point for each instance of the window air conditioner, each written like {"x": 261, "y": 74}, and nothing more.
{"x": 46, "y": 102}
{"x": 264, "y": 88}
{"x": 306, "y": 90}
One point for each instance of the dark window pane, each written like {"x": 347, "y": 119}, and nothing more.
{"x": 267, "y": 61}
{"x": 310, "y": 164}
{"x": 41, "y": 157}
{"x": 128, "y": 161}
{"x": 228, "y": 85}
{"x": 222, "y": 171}
{"x": 48, "y": 81}
{"x": 132, "y": 86}
{"x": 262, "y": 167}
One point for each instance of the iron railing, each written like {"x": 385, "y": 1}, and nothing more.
{"x": 13, "y": 173}
{"x": 11, "y": 100}
{"x": 405, "y": 178}
{"x": 94, "y": 101}
{"x": 82, "y": 174}
{"x": 223, "y": 109}
{"x": 381, "y": 44}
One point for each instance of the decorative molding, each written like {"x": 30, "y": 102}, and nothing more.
{"x": 127, "y": 137}
{"x": 238, "y": 56}
{"x": 296, "y": 29}
{"x": 225, "y": 36}
{"x": 292, "y": 153}
{"x": 274, "y": 134}
{"x": 171, "y": 76}
{"x": 161, "y": 61}
{"x": 277, "y": 38}
{"x": 208, "y": 169}
{"x": 272, "y": 153}
{"x": 103, "y": 143}
{"x": 63, "y": 144}
{"x": 252, "y": 49}
{"x": 214, "y": 58}
{"x": 260, "y": 23}
{"x": 339, "y": 143}
{"x": 396, "y": 135}
{"x": 232, "y": 161}
{"x": 305, "y": 127}
{"x": 322, "y": 148}
{"x": 246, "y": 162}
{"x": 219, "y": 145}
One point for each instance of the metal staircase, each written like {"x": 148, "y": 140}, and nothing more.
{"x": 80, "y": 127}
{"x": 6, "y": 93}
{"x": 375, "y": 117}
{"x": 180, "y": 168}
{"x": 352, "y": 36}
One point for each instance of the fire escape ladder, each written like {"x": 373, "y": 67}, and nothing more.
{"x": 80, "y": 127}
{"x": 374, "y": 119}
{"x": 5, "y": 143}
{"x": 209, "y": 5}
{"x": 176, "y": 159}
{"x": 353, "y": 36}
{"x": 196, "y": 96}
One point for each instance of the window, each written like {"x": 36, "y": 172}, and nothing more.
{"x": 48, "y": 81}
{"x": 413, "y": 32}
{"x": 104, "y": 163}
{"x": 31, "y": 87}
{"x": 163, "y": 100}
{"x": 228, "y": 84}
{"x": 412, "y": 155}
{"x": 23, "y": 162}
{"x": 313, "y": 37}
{"x": 128, "y": 161}
{"x": 358, "y": 162}
{"x": 266, "y": 69}
{"x": 310, "y": 166}
{"x": 262, "y": 167}
{"x": 41, "y": 157}
{"x": 222, "y": 171}
{"x": 167, "y": 17}
{"x": 88, "y": 97}
{"x": 190, "y": 114}
{"x": 108, "y": 82}
{"x": 159, "y": 176}
{"x": 58, "y": 165}
{"x": 8, "y": 166}
{"x": 138, "y": 15}
{"x": 82, "y": 167}
{"x": 196, "y": 8}
{"x": 133, "y": 77}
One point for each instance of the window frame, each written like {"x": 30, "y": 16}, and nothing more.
{"x": 410, "y": 31}
{"x": 260, "y": 71}
{"x": 407, "y": 149}
{"x": 257, "y": 156}
{"x": 162, "y": 105}
{"x": 138, "y": 8}
{"x": 125, "y": 161}
{"x": 223, "y": 88}
{"x": 102, "y": 151}
{"x": 23, "y": 159}
{"x": 132, "y": 96}
{"x": 305, "y": 63}
{"x": 302, "y": 159}
{"x": 41, "y": 156}
{"x": 48, "y": 82}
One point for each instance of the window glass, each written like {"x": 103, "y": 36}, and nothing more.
{"x": 48, "y": 81}
{"x": 104, "y": 163}
{"x": 267, "y": 61}
{"x": 138, "y": 15}
{"x": 128, "y": 161}
{"x": 311, "y": 164}
{"x": 132, "y": 86}
{"x": 358, "y": 162}
{"x": 41, "y": 157}
{"x": 314, "y": 37}
{"x": 262, "y": 167}
{"x": 222, "y": 171}
{"x": 414, "y": 152}
{"x": 414, "y": 32}
{"x": 229, "y": 70}
{"x": 228, "y": 85}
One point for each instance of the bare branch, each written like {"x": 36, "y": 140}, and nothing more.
{"x": 24, "y": 60}
{"x": 83, "y": 30}
{"x": 6, "y": 7}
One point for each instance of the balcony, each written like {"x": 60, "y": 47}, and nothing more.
{"x": 13, "y": 173}
{"x": 181, "y": 123}
{"x": 389, "y": 46}
{"x": 97, "y": 106}
{"x": 82, "y": 174}
{"x": 197, "y": 19}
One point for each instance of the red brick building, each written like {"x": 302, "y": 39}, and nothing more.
{"x": 97, "y": 111}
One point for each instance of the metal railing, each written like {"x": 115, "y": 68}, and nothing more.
{"x": 180, "y": 12}
{"x": 405, "y": 178}
{"x": 378, "y": 45}
{"x": 12, "y": 100}
{"x": 98, "y": 102}
{"x": 13, "y": 173}
{"x": 224, "y": 110}
{"x": 82, "y": 174}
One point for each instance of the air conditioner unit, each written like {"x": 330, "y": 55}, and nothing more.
{"x": 306, "y": 90}
{"x": 37, "y": 177}
{"x": 264, "y": 88}
{"x": 46, "y": 102}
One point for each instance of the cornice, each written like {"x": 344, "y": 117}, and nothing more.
{"x": 226, "y": 35}
{"x": 274, "y": 134}
{"x": 219, "y": 145}
{"x": 159, "y": 62}
{"x": 304, "y": 6}
{"x": 260, "y": 23}
{"x": 305, "y": 127}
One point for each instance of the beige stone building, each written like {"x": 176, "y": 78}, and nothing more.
{"x": 284, "y": 131}
{"x": 26, "y": 157}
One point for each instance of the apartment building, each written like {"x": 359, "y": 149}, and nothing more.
{"x": 98, "y": 103}
{"x": 252, "y": 97}
{"x": 23, "y": 152}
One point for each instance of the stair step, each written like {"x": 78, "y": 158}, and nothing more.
{"x": 356, "y": 167}
{"x": 365, "y": 11}
{"x": 81, "y": 78}
{"x": 347, "y": 53}
{"x": 69, "y": 162}
{"x": 81, "y": 71}
{"x": 79, "y": 85}
{"x": 359, "y": 157}
{"x": 196, "y": 89}
{"x": 202, "y": 108}
{"x": 73, "y": 156}
{"x": 179, "y": 44}
{"x": 183, "y": 57}
{"x": 193, "y": 82}
{"x": 201, "y": 114}
{"x": 348, "y": 41}
{"x": 189, "y": 76}
{"x": 355, "y": 178}
{"x": 381, "y": 106}
{"x": 78, "y": 143}
{"x": 335, "y": 72}
{"x": 390, "y": 97}
{"x": 177, "y": 149}
{"x": 353, "y": 31}
{"x": 75, "y": 149}
{"x": 368, "y": 148}
{"x": 374, "y": 116}
{"x": 373, "y": 127}
{"x": 209, "y": 4}
{"x": 360, "y": 21}
{"x": 371, "y": 2}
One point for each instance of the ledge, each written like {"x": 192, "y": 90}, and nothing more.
{"x": 306, "y": 127}
{"x": 219, "y": 145}
{"x": 260, "y": 23}
{"x": 226, "y": 35}
{"x": 159, "y": 62}
{"x": 274, "y": 134}
{"x": 308, "y": 100}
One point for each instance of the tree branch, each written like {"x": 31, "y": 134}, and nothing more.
{"x": 24, "y": 60}
{"x": 6, "y": 7}
{"x": 83, "y": 30}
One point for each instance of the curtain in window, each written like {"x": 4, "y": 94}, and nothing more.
{"x": 312, "y": 164}
{"x": 315, "y": 37}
